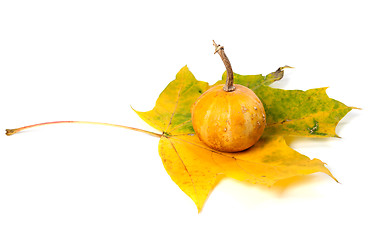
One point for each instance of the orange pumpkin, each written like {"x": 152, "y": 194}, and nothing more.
{"x": 228, "y": 118}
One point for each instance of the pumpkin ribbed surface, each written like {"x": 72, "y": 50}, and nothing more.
{"x": 228, "y": 121}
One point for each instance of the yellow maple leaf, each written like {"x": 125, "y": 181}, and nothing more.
{"x": 196, "y": 168}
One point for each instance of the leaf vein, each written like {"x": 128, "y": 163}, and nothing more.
{"x": 185, "y": 167}
{"x": 176, "y": 105}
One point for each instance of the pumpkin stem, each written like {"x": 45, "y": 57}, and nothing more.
{"x": 229, "y": 85}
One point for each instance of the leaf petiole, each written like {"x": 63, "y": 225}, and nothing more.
{"x": 10, "y": 132}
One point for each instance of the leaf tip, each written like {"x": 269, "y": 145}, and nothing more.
{"x": 185, "y": 67}
{"x": 132, "y": 108}
{"x": 136, "y": 111}
{"x": 327, "y": 171}
{"x": 337, "y": 181}
{"x": 199, "y": 207}
{"x": 325, "y": 88}
{"x": 337, "y": 136}
{"x": 183, "y": 73}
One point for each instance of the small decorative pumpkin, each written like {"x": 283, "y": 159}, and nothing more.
{"x": 228, "y": 118}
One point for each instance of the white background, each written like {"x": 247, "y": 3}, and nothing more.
{"x": 92, "y": 60}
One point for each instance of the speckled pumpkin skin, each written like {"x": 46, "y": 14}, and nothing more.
{"x": 228, "y": 121}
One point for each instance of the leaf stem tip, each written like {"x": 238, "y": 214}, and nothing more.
{"x": 10, "y": 132}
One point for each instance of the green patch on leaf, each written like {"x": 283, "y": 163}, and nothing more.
{"x": 308, "y": 113}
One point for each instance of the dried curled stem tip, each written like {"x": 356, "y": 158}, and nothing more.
{"x": 10, "y": 132}
{"x": 217, "y": 47}
{"x": 286, "y": 66}
{"x": 229, "y": 85}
